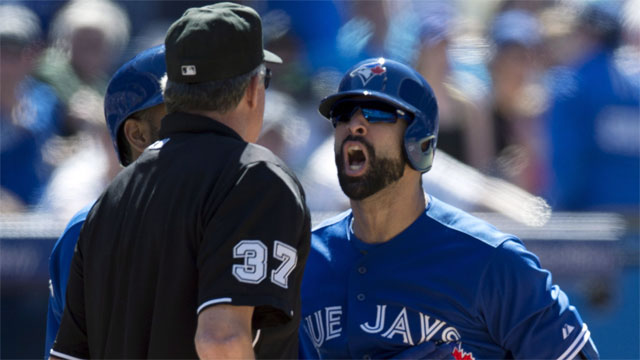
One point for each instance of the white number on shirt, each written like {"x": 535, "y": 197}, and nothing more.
{"x": 289, "y": 258}
{"x": 254, "y": 269}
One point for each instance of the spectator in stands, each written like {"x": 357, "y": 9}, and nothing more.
{"x": 29, "y": 111}
{"x": 594, "y": 121}
{"x": 87, "y": 38}
{"x": 517, "y": 98}
{"x": 464, "y": 131}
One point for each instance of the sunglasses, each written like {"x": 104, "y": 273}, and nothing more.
{"x": 374, "y": 112}
{"x": 267, "y": 77}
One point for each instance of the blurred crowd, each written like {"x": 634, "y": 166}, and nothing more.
{"x": 540, "y": 94}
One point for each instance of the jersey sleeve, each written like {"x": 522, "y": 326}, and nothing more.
{"x": 71, "y": 341}
{"x": 255, "y": 246}
{"x": 59, "y": 264}
{"x": 525, "y": 313}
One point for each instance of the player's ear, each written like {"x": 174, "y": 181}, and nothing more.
{"x": 137, "y": 134}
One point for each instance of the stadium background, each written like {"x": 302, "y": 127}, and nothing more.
{"x": 484, "y": 59}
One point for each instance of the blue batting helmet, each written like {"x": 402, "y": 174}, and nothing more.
{"x": 402, "y": 87}
{"x": 134, "y": 87}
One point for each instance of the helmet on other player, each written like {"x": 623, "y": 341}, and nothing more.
{"x": 400, "y": 86}
{"x": 134, "y": 87}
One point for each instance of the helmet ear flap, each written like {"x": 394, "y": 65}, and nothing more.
{"x": 419, "y": 150}
{"x": 427, "y": 143}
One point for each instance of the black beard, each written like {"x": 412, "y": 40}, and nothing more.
{"x": 381, "y": 172}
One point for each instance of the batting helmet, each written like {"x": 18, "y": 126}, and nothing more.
{"x": 134, "y": 87}
{"x": 402, "y": 87}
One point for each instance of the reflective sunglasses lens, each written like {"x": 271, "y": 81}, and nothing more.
{"x": 374, "y": 112}
{"x": 376, "y": 115}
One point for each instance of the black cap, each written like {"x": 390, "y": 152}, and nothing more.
{"x": 215, "y": 42}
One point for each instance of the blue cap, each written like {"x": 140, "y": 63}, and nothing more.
{"x": 134, "y": 87}
{"x": 402, "y": 87}
{"x": 436, "y": 20}
{"x": 515, "y": 27}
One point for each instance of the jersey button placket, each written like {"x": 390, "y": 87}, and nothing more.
{"x": 357, "y": 296}
{"x": 361, "y": 270}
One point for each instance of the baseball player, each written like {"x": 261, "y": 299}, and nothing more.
{"x": 402, "y": 269}
{"x": 133, "y": 108}
{"x": 197, "y": 249}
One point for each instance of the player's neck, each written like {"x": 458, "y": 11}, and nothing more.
{"x": 382, "y": 216}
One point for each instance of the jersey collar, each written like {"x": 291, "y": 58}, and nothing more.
{"x": 179, "y": 122}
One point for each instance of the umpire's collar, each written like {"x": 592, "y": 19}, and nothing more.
{"x": 179, "y": 122}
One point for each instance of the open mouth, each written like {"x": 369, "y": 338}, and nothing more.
{"x": 355, "y": 158}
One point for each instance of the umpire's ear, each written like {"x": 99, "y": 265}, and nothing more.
{"x": 253, "y": 92}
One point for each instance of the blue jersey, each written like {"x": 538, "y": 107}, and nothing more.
{"x": 594, "y": 127}
{"x": 59, "y": 264}
{"x": 447, "y": 277}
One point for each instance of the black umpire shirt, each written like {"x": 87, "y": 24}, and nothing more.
{"x": 201, "y": 218}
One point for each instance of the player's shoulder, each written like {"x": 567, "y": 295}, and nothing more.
{"x": 73, "y": 227}
{"x": 457, "y": 223}
{"x": 67, "y": 240}
{"x": 330, "y": 222}
{"x": 329, "y": 232}
{"x": 81, "y": 215}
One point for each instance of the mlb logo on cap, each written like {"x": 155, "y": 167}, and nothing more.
{"x": 188, "y": 70}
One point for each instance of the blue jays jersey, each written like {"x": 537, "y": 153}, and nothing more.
{"x": 59, "y": 264}
{"x": 447, "y": 277}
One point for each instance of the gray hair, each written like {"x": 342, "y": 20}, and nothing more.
{"x": 220, "y": 96}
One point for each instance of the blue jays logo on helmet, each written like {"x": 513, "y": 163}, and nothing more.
{"x": 400, "y": 86}
{"x": 134, "y": 87}
{"x": 367, "y": 71}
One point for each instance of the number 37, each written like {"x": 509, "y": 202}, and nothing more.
{"x": 254, "y": 269}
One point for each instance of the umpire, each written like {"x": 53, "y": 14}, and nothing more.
{"x": 210, "y": 261}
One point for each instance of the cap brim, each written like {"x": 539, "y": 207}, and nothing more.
{"x": 271, "y": 57}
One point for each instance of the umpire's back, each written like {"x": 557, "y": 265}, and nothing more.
{"x": 204, "y": 225}
{"x": 144, "y": 243}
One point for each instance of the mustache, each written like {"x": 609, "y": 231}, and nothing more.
{"x": 356, "y": 138}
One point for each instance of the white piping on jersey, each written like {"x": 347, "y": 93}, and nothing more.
{"x": 63, "y": 356}
{"x": 211, "y": 302}
{"x": 255, "y": 341}
{"x": 577, "y": 344}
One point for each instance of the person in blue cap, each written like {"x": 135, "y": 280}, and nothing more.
{"x": 30, "y": 112}
{"x": 404, "y": 275}
{"x": 133, "y": 109}
{"x": 594, "y": 121}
